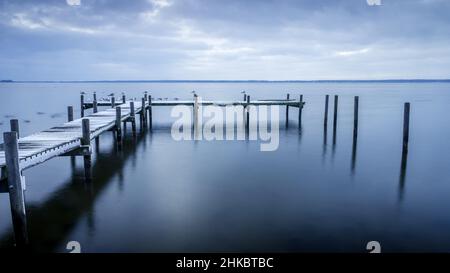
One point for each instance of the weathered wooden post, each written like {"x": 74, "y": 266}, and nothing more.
{"x": 113, "y": 102}
{"x": 94, "y": 105}
{"x": 124, "y": 99}
{"x": 69, "y": 113}
{"x": 146, "y": 96}
{"x": 247, "y": 124}
{"x": 86, "y": 142}
{"x": 195, "y": 116}
{"x": 118, "y": 120}
{"x": 143, "y": 117}
{"x": 94, "y": 96}
{"x": 335, "y": 112}
{"x": 150, "y": 111}
{"x": 82, "y": 104}
{"x": 245, "y": 97}
{"x": 300, "y": 109}
{"x": 355, "y": 116}
{"x": 132, "y": 116}
{"x": 406, "y": 126}
{"x": 325, "y": 120}
{"x": 14, "y": 123}
{"x": 287, "y": 111}
{"x": 15, "y": 187}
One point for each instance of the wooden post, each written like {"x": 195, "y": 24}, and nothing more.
{"x": 287, "y": 111}
{"x": 95, "y": 96}
{"x": 335, "y": 112}
{"x": 355, "y": 116}
{"x": 247, "y": 125}
{"x": 82, "y": 104}
{"x": 86, "y": 141}
{"x": 406, "y": 126}
{"x": 69, "y": 113}
{"x": 300, "y": 109}
{"x": 143, "y": 117}
{"x": 132, "y": 116}
{"x": 16, "y": 191}
{"x": 325, "y": 120}
{"x": 150, "y": 111}
{"x": 146, "y": 96}
{"x": 196, "y": 130}
{"x": 124, "y": 99}
{"x": 245, "y": 97}
{"x": 118, "y": 120}
{"x": 14, "y": 123}
{"x": 113, "y": 102}
{"x": 95, "y": 106}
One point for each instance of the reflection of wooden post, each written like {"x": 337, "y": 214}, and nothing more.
{"x": 82, "y": 105}
{"x": 300, "y": 109}
{"x": 86, "y": 141}
{"x": 16, "y": 191}
{"x": 14, "y": 123}
{"x": 287, "y": 111}
{"x": 325, "y": 120}
{"x": 355, "y": 116}
{"x": 406, "y": 126}
{"x": 69, "y": 113}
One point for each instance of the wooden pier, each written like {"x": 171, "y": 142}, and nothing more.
{"x": 74, "y": 137}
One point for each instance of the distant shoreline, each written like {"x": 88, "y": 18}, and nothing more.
{"x": 240, "y": 81}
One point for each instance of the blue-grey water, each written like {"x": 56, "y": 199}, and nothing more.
{"x": 311, "y": 194}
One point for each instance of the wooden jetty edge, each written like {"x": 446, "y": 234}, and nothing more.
{"x": 74, "y": 137}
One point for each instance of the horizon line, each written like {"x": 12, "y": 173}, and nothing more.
{"x": 222, "y": 81}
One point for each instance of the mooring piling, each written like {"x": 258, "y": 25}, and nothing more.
{"x": 94, "y": 106}
{"x": 16, "y": 189}
{"x": 113, "y": 102}
{"x": 94, "y": 95}
{"x": 336, "y": 99}
{"x": 142, "y": 114}
{"x": 86, "y": 143}
{"x": 124, "y": 99}
{"x": 325, "y": 119}
{"x": 118, "y": 125}
{"x": 69, "y": 113}
{"x": 150, "y": 111}
{"x": 406, "y": 126}
{"x": 300, "y": 109}
{"x": 14, "y": 124}
{"x": 247, "y": 107}
{"x": 132, "y": 117}
{"x": 82, "y": 104}
{"x": 287, "y": 111}
{"x": 355, "y": 116}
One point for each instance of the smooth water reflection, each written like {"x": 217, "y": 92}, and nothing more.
{"x": 153, "y": 194}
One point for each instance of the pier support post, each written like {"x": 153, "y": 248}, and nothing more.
{"x": 14, "y": 123}
{"x": 143, "y": 116}
{"x": 86, "y": 141}
{"x": 118, "y": 120}
{"x": 355, "y": 116}
{"x": 336, "y": 98}
{"x": 113, "y": 102}
{"x": 82, "y": 104}
{"x": 300, "y": 109}
{"x": 16, "y": 188}
{"x": 146, "y": 96}
{"x": 124, "y": 99}
{"x": 69, "y": 113}
{"x": 325, "y": 119}
{"x": 196, "y": 129}
{"x": 95, "y": 106}
{"x": 287, "y": 111}
{"x": 150, "y": 111}
{"x": 132, "y": 116}
{"x": 94, "y": 96}
{"x": 247, "y": 124}
{"x": 406, "y": 126}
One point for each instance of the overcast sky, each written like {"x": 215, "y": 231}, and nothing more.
{"x": 226, "y": 39}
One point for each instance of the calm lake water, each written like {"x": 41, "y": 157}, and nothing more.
{"x": 160, "y": 195}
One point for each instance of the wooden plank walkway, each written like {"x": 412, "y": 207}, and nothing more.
{"x": 293, "y": 103}
{"x": 39, "y": 147}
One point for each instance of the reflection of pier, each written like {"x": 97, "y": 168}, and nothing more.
{"x": 57, "y": 216}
